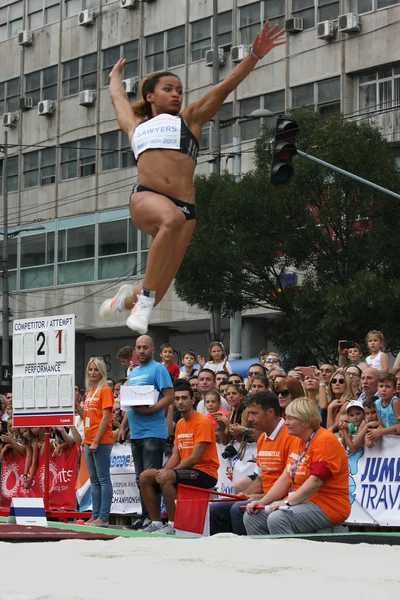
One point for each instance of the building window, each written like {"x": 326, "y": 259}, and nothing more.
{"x": 274, "y": 12}
{"x": 328, "y": 10}
{"x": 12, "y": 174}
{"x": 249, "y": 22}
{"x": 361, "y": 6}
{"x": 39, "y": 168}
{"x": 11, "y": 20}
{"x": 76, "y": 251}
{"x": 226, "y": 113}
{"x": 37, "y": 261}
{"x": 42, "y": 12}
{"x": 225, "y": 30}
{"x": 116, "y": 152}
{"x": 175, "y": 47}
{"x": 117, "y": 249}
{"x": 154, "y": 52}
{"x": 328, "y": 97}
{"x": 42, "y": 85}
{"x": 379, "y": 89}
{"x": 72, "y": 7}
{"x": 79, "y": 74}
{"x": 78, "y": 159}
{"x": 303, "y": 95}
{"x": 274, "y": 101}
{"x": 201, "y": 38}
{"x": 9, "y": 96}
{"x": 304, "y": 9}
{"x": 129, "y": 51}
{"x": 386, "y": 3}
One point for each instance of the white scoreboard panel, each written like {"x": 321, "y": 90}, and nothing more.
{"x": 43, "y": 371}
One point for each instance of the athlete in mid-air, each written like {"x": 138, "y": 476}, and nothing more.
{"x": 165, "y": 143}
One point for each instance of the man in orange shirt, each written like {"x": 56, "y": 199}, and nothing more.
{"x": 273, "y": 449}
{"x": 194, "y": 462}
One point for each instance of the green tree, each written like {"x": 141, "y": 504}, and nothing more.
{"x": 340, "y": 236}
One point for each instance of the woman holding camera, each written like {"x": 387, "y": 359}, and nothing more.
{"x": 230, "y": 426}
{"x": 313, "y": 491}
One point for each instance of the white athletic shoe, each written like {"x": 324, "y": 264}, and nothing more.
{"x": 152, "y": 528}
{"x": 140, "y": 316}
{"x": 166, "y": 530}
{"x": 112, "y": 307}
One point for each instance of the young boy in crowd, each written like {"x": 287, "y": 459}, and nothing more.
{"x": 349, "y": 429}
{"x": 371, "y": 422}
{"x": 166, "y": 354}
{"x": 125, "y": 358}
{"x": 388, "y": 409}
{"x": 351, "y": 356}
{"x": 188, "y": 361}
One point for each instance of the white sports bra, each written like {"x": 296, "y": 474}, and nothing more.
{"x": 167, "y": 132}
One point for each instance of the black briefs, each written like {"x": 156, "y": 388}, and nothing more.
{"x": 188, "y": 209}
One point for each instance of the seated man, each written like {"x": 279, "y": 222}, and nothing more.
{"x": 273, "y": 449}
{"x": 194, "y": 462}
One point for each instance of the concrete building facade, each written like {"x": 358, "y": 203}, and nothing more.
{"x": 70, "y": 170}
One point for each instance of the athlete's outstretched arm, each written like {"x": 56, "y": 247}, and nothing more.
{"x": 206, "y": 108}
{"x": 123, "y": 108}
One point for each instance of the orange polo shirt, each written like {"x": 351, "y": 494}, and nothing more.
{"x": 95, "y": 402}
{"x": 272, "y": 454}
{"x": 193, "y": 431}
{"x": 326, "y": 458}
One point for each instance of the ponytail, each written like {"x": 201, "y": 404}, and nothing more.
{"x": 142, "y": 108}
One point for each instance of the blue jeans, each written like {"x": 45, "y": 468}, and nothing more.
{"x": 98, "y": 465}
{"x": 227, "y": 516}
{"x": 147, "y": 453}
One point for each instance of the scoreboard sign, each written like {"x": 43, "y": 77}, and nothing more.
{"x": 43, "y": 371}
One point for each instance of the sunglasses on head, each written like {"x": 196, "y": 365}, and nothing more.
{"x": 340, "y": 380}
{"x": 283, "y": 393}
{"x": 272, "y": 359}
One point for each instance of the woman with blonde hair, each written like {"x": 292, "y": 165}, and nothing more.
{"x": 313, "y": 491}
{"x": 341, "y": 392}
{"x": 166, "y": 146}
{"x": 98, "y": 438}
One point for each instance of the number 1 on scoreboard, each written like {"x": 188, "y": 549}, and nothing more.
{"x": 60, "y": 345}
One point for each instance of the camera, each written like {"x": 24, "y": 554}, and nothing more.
{"x": 229, "y": 452}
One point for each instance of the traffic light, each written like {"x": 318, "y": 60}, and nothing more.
{"x": 283, "y": 150}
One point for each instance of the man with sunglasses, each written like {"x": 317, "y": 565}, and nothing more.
{"x": 254, "y": 369}
{"x": 273, "y": 448}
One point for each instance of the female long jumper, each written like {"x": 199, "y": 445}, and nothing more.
{"x": 166, "y": 144}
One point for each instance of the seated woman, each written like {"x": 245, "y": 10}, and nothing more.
{"x": 313, "y": 491}
{"x": 341, "y": 392}
{"x": 287, "y": 390}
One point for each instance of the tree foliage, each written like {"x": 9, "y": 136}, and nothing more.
{"x": 338, "y": 234}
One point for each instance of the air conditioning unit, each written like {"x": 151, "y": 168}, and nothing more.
{"x": 325, "y": 30}
{"x": 210, "y": 58}
{"x": 349, "y": 22}
{"x": 131, "y": 86}
{"x": 25, "y": 38}
{"x": 10, "y": 119}
{"x": 129, "y": 3}
{"x": 26, "y": 102}
{"x": 87, "y": 98}
{"x": 86, "y": 18}
{"x": 238, "y": 53}
{"x": 46, "y": 107}
{"x": 294, "y": 25}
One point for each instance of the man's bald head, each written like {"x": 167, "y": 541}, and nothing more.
{"x": 144, "y": 349}
{"x": 369, "y": 381}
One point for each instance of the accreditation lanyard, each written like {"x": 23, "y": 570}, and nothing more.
{"x": 300, "y": 457}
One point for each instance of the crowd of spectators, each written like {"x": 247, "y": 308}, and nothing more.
{"x": 338, "y": 406}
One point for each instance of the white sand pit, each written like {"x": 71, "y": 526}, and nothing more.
{"x": 220, "y": 567}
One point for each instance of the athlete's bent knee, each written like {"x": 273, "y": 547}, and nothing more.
{"x": 173, "y": 223}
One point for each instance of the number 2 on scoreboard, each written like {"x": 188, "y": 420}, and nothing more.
{"x": 41, "y": 347}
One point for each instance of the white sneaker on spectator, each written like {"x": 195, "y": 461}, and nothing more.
{"x": 152, "y": 528}
{"x": 140, "y": 316}
{"x": 168, "y": 529}
{"x": 113, "y": 306}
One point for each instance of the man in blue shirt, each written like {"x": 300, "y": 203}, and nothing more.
{"x": 148, "y": 428}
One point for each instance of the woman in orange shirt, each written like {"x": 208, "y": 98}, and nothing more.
{"x": 98, "y": 438}
{"x": 313, "y": 491}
